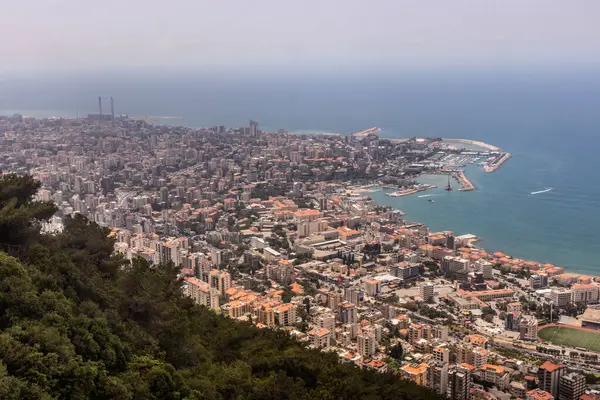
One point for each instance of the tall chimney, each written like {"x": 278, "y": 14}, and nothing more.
{"x": 100, "y": 104}
{"x": 112, "y": 109}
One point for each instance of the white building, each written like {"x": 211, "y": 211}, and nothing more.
{"x": 201, "y": 293}
{"x": 485, "y": 267}
{"x": 366, "y": 344}
{"x": 528, "y": 329}
{"x": 426, "y": 292}
{"x": 560, "y": 297}
{"x": 320, "y": 337}
{"x": 585, "y": 293}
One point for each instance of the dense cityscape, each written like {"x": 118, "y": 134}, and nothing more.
{"x": 279, "y": 230}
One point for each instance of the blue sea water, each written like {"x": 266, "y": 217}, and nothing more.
{"x": 549, "y": 121}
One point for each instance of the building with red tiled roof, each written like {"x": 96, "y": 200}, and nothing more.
{"x": 549, "y": 375}
{"x": 539, "y": 394}
{"x": 320, "y": 337}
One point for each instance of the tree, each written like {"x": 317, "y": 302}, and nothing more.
{"x": 287, "y": 294}
{"x": 78, "y": 322}
{"x": 20, "y": 215}
{"x": 307, "y": 305}
{"x": 396, "y": 352}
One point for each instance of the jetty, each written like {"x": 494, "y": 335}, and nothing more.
{"x": 366, "y": 132}
{"x": 473, "y": 143}
{"x": 465, "y": 183}
{"x": 412, "y": 190}
{"x": 496, "y": 163}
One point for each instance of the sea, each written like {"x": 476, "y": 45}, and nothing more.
{"x": 549, "y": 120}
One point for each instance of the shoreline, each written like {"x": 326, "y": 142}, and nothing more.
{"x": 472, "y": 142}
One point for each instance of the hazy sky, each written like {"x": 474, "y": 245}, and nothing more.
{"x": 85, "y": 34}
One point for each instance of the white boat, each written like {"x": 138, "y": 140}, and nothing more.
{"x": 541, "y": 191}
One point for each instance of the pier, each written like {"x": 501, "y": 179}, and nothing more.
{"x": 472, "y": 142}
{"x": 409, "y": 191}
{"x": 366, "y": 132}
{"x": 465, "y": 183}
{"x": 494, "y": 165}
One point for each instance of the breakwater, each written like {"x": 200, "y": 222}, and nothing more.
{"x": 472, "y": 142}
{"x": 465, "y": 183}
{"x": 495, "y": 164}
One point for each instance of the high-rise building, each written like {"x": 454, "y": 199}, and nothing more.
{"x": 333, "y": 300}
{"x": 320, "y": 337}
{"x": 326, "y": 321}
{"x": 426, "y": 292}
{"x": 415, "y": 333}
{"x": 528, "y": 329}
{"x": 201, "y": 293}
{"x": 440, "y": 332}
{"x": 416, "y": 373}
{"x": 538, "y": 281}
{"x": 437, "y": 377}
{"x": 353, "y": 295}
{"x": 372, "y": 287}
{"x": 538, "y": 394}
{"x": 348, "y": 313}
{"x": 164, "y": 194}
{"x": 561, "y": 297}
{"x": 220, "y": 280}
{"x": 549, "y": 375}
{"x": 512, "y": 321}
{"x": 441, "y": 354}
{"x": 485, "y": 267}
{"x": 496, "y": 375}
{"x": 572, "y": 386}
{"x": 585, "y": 293}
{"x": 366, "y": 343}
{"x": 253, "y": 128}
{"x": 460, "y": 380}
{"x": 285, "y": 314}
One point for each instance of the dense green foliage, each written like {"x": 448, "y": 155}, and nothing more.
{"x": 77, "y": 322}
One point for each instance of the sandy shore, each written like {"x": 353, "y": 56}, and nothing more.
{"x": 473, "y": 142}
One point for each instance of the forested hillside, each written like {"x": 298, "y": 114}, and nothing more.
{"x": 77, "y": 322}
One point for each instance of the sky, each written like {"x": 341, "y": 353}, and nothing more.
{"x": 67, "y": 35}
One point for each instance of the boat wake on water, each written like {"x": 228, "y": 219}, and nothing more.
{"x": 541, "y": 191}
{"x": 425, "y": 195}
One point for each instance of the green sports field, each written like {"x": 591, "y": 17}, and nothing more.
{"x": 571, "y": 337}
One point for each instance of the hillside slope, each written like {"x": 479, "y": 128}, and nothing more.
{"x": 77, "y": 322}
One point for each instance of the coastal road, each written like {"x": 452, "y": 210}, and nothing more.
{"x": 122, "y": 198}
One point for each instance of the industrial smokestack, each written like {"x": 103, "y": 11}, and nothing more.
{"x": 100, "y": 104}
{"x": 112, "y": 109}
